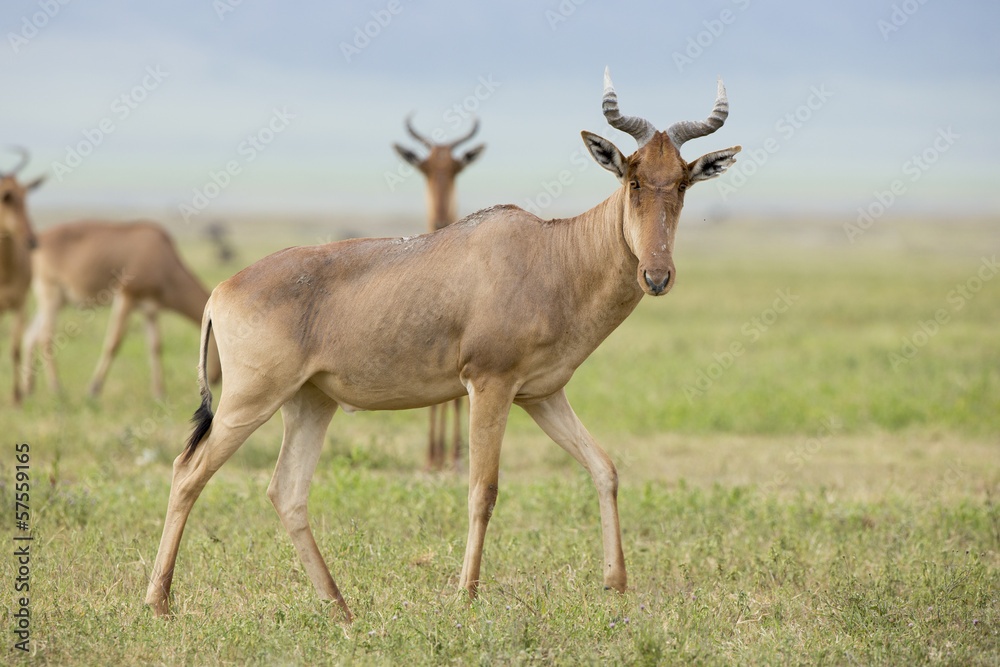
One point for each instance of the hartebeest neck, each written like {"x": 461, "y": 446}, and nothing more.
{"x": 188, "y": 296}
{"x": 441, "y": 203}
{"x": 601, "y": 267}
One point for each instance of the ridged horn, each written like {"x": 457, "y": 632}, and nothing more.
{"x": 472, "y": 133}
{"x": 416, "y": 135}
{"x": 684, "y": 130}
{"x": 25, "y": 156}
{"x": 640, "y": 128}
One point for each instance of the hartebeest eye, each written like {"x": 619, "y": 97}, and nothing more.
{"x": 681, "y": 187}
{"x": 8, "y": 197}
{"x": 634, "y": 184}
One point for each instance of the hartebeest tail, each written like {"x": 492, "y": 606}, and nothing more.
{"x": 203, "y": 416}
{"x": 502, "y": 307}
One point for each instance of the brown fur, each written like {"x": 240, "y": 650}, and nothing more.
{"x": 94, "y": 263}
{"x": 16, "y": 240}
{"x": 440, "y": 169}
{"x": 501, "y": 306}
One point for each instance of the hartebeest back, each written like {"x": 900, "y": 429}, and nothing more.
{"x": 440, "y": 168}
{"x": 16, "y": 241}
{"x": 93, "y": 263}
{"x": 502, "y": 306}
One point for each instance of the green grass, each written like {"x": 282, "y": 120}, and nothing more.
{"x": 813, "y": 504}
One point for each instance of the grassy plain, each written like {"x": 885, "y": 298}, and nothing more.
{"x": 807, "y": 433}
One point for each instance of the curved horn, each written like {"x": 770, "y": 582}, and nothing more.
{"x": 683, "y": 130}
{"x": 640, "y": 128}
{"x": 472, "y": 133}
{"x": 25, "y": 156}
{"x": 413, "y": 133}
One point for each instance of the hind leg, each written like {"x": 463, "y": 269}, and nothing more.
{"x": 306, "y": 417}
{"x": 456, "y": 452}
{"x": 237, "y": 418}
{"x": 41, "y": 333}
{"x": 155, "y": 346}
{"x": 120, "y": 309}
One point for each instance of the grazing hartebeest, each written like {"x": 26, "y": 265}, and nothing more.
{"x": 93, "y": 263}
{"x": 502, "y": 306}
{"x": 16, "y": 241}
{"x": 441, "y": 168}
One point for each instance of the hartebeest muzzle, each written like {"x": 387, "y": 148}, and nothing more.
{"x": 659, "y": 282}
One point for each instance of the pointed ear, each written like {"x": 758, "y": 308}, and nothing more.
{"x": 471, "y": 155}
{"x": 605, "y": 153}
{"x": 35, "y": 183}
{"x": 713, "y": 164}
{"x": 408, "y": 155}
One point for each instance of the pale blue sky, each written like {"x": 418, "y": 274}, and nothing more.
{"x": 868, "y": 84}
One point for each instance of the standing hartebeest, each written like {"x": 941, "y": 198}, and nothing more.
{"x": 441, "y": 168}
{"x": 16, "y": 241}
{"x": 502, "y": 306}
{"x": 93, "y": 263}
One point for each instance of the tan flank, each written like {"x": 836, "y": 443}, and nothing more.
{"x": 441, "y": 168}
{"x": 502, "y": 306}
{"x": 93, "y": 263}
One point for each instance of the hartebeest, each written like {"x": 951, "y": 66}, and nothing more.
{"x": 92, "y": 263}
{"x": 502, "y": 306}
{"x": 16, "y": 241}
{"x": 441, "y": 168}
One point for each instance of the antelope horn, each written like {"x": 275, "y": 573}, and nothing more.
{"x": 472, "y": 133}
{"x": 20, "y": 165}
{"x": 683, "y": 130}
{"x": 640, "y": 128}
{"x": 413, "y": 133}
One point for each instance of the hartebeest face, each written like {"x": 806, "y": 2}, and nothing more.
{"x": 654, "y": 180}
{"x": 440, "y": 168}
{"x": 14, "y": 219}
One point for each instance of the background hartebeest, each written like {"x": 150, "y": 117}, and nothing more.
{"x": 502, "y": 306}
{"x": 92, "y": 263}
{"x": 441, "y": 168}
{"x": 16, "y": 241}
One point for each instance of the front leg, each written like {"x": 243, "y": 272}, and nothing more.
{"x": 557, "y": 419}
{"x": 489, "y": 406}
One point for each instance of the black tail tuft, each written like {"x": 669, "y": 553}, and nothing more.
{"x": 202, "y": 421}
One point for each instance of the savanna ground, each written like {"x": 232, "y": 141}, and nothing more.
{"x": 791, "y": 492}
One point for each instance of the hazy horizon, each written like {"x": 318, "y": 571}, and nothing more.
{"x": 838, "y": 108}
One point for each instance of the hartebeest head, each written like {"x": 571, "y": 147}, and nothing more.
{"x": 654, "y": 180}
{"x": 14, "y": 220}
{"x": 440, "y": 168}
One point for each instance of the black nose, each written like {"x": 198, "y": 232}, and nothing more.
{"x": 657, "y": 288}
